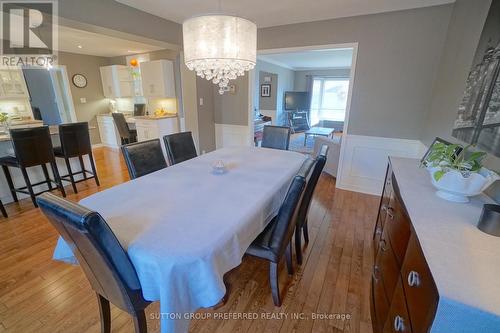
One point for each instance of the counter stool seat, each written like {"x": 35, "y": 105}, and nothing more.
{"x": 32, "y": 148}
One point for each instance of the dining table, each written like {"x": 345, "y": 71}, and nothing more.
{"x": 185, "y": 226}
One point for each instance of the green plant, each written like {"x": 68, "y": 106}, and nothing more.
{"x": 4, "y": 116}
{"x": 444, "y": 158}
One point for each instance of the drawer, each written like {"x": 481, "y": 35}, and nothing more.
{"x": 420, "y": 289}
{"x": 398, "y": 319}
{"x": 388, "y": 266}
{"x": 380, "y": 302}
{"x": 382, "y": 214}
{"x": 398, "y": 228}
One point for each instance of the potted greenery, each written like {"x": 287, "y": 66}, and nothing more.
{"x": 458, "y": 176}
{"x": 4, "y": 117}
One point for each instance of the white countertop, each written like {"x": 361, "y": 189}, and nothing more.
{"x": 464, "y": 261}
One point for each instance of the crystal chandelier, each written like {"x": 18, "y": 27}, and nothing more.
{"x": 219, "y": 48}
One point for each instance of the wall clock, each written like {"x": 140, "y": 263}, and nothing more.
{"x": 79, "y": 80}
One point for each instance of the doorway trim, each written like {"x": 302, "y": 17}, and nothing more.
{"x": 253, "y": 75}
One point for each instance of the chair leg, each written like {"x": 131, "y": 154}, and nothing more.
{"x": 82, "y": 165}
{"x": 298, "y": 244}
{"x": 47, "y": 177}
{"x": 57, "y": 177}
{"x": 306, "y": 232}
{"x": 140, "y": 322}
{"x": 273, "y": 279}
{"x": 28, "y": 186}
{"x": 2, "y": 208}
{"x": 10, "y": 182}
{"x": 288, "y": 255}
{"x": 70, "y": 173}
{"x": 105, "y": 313}
{"x": 94, "y": 170}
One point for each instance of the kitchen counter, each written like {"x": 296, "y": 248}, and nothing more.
{"x": 464, "y": 261}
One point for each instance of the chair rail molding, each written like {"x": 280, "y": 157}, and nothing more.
{"x": 227, "y": 135}
{"x": 363, "y": 162}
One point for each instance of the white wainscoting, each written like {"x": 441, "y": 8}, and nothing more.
{"x": 231, "y": 135}
{"x": 363, "y": 160}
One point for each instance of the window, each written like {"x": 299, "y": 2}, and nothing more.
{"x": 329, "y": 99}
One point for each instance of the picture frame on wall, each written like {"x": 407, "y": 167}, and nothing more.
{"x": 265, "y": 90}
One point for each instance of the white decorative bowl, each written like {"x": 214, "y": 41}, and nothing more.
{"x": 453, "y": 186}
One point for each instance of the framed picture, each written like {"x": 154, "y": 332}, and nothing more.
{"x": 265, "y": 90}
{"x": 423, "y": 161}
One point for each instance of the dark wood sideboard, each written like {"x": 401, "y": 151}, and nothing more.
{"x": 404, "y": 295}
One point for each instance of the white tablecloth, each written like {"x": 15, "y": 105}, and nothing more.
{"x": 184, "y": 227}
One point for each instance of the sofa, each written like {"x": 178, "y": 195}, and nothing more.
{"x": 332, "y": 161}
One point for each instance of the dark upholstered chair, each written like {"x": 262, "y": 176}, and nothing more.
{"x": 75, "y": 142}
{"x": 275, "y": 240}
{"x": 103, "y": 260}
{"x": 180, "y": 147}
{"x": 143, "y": 157}
{"x": 276, "y": 137}
{"x": 126, "y": 134}
{"x": 319, "y": 163}
{"x": 2, "y": 209}
{"x": 32, "y": 147}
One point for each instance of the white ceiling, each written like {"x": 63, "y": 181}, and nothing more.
{"x": 268, "y": 13}
{"x": 317, "y": 59}
{"x": 98, "y": 44}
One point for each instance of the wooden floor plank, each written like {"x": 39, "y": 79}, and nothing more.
{"x": 40, "y": 295}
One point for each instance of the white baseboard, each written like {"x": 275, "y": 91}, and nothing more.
{"x": 363, "y": 160}
{"x": 231, "y": 135}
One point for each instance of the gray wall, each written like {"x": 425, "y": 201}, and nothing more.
{"x": 206, "y": 114}
{"x": 232, "y": 109}
{"x": 464, "y": 31}
{"x": 96, "y": 102}
{"x": 284, "y": 83}
{"x": 300, "y": 82}
{"x": 398, "y": 57}
{"x": 268, "y": 103}
{"x": 116, "y": 16}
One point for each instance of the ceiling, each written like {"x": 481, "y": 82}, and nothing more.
{"x": 268, "y": 13}
{"x": 98, "y": 44}
{"x": 314, "y": 59}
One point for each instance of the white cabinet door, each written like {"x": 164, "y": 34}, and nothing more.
{"x": 108, "y": 132}
{"x": 158, "y": 78}
{"x": 117, "y": 81}
{"x": 107, "y": 81}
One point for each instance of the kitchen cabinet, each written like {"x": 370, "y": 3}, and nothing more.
{"x": 118, "y": 82}
{"x": 108, "y": 132}
{"x": 158, "y": 78}
{"x": 12, "y": 84}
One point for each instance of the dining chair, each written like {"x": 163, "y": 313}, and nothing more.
{"x": 276, "y": 137}
{"x": 180, "y": 147}
{"x": 75, "y": 142}
{"x": 2, "y": 209}
{"x": 101, "y": 257}
{"x": 143, "y": 157}
{"x": 301, "y": 227}
{"x": 127, "y": 135}
{"x": 32, "y": 147}
{"x": 275, "y": 240}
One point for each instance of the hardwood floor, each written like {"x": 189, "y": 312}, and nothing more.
{"x": 39, "y": 295}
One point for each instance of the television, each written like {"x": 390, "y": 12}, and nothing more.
{"x": 297, "y": 100}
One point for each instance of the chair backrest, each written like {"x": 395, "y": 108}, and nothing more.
{"x": 143, "y": 157}
{"x": 319, "y": 163}
{"x": 277, "y": 137}
{"x": 32, "y": 146}
{"x": 121, "y": 125}
{"x": 103, "y": 260}
{"x": 75, "y": 139}
{"x": 287, "y": 215}
{"x": 180, "y": 147}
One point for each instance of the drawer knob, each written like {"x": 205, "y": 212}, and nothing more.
{"x": 383, "y": 244}
{"x": 376, "y": 273}
{"x": 399, "y": 324}
{"x": 413, "y": 279}
{"x": 378, "y": 231}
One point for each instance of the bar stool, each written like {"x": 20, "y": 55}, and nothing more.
{"x": 32, "y": 147}
{"x": 127, "y": 135}
{"x": 2, "y": 209}
{"x": 75, "y": 142}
